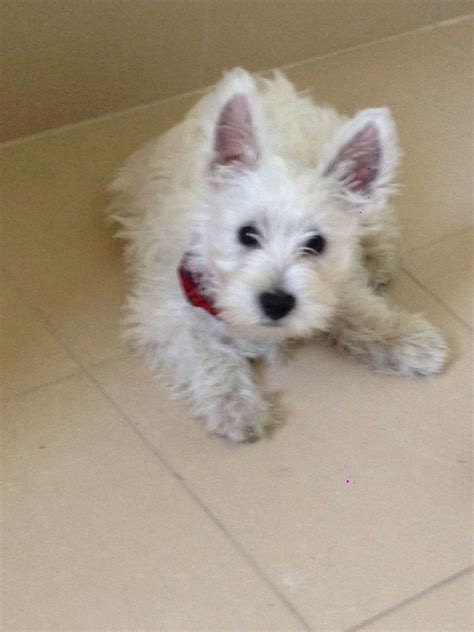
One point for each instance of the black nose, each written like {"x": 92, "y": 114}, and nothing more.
{"x": 276, "y": 304}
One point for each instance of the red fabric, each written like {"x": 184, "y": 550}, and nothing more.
{"x": 190, "y": 288}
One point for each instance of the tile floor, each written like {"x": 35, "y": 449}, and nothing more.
{"x": 120, "y": 514}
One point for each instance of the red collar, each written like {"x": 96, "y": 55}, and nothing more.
{"x": 190, "y": 284}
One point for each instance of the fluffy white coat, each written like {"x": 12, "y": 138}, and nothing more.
{"x": 254, "y": 153}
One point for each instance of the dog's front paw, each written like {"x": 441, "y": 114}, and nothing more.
{"x": 240, "y": 420}
{"x": 419, "y": 349}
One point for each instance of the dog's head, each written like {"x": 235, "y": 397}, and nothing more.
{"x": 279, "y": 242}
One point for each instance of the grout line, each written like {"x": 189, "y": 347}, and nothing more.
{"x": 417, "y": 596}
{"x": 127, "y": 421}
{"x": 113, "y": 358}
{"x": 388, "y": 38}
{"x": 207, "y": 511}
{"x": 34, "y": 389}
{"x": 438, "y": 240}
{"x": 198, "y": 91}
{"x": 77, "y": 372}
{"x": 55, "y": 131}
{"x": 437, "y": 299}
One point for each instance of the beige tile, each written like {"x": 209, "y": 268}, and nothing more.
{"x": 93, "y": 512}
{"x": 30, "y": 355}
{"x": 427, "y": 81}
{"x": 340, "y": 553}
{"x": 271, "y": 33}
{"x": 59, "y": 249}
{"x": 67, "y": 61}
{"x": 449, "y": 607}
{"x": 445, "y": 268}
{"x": 60, "y": 252}
{"x": 99, "y": 535}
{"x": 63, "y": 62}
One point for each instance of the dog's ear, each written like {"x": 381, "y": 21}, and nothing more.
{"x": 362, "y": 157}
{"x": 235, "y": 141}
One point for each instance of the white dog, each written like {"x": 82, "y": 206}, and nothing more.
{"x": 259, "y": 219}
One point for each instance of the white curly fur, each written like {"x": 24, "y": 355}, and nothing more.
{"x": 254, "y": 152}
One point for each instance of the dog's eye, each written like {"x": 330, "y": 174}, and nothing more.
{"x": 315, "y": 245}
{"x": 248, "y": 236}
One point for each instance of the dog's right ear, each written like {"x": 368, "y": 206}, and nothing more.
{"x": 235, "y": 141}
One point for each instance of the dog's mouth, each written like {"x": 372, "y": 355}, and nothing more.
{"x": 274, "y": 324}
{"x": 266, "y": 331}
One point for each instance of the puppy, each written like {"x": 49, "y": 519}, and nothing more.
{"x": 259, "y": 219}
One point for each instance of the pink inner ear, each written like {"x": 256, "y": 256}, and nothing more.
{"x": 235, "y": 140}
{"x": 357, "y": 164}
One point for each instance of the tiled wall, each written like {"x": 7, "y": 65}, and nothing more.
{"x": 63, "y": 61}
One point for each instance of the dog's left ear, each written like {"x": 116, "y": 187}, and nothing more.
{"x": 235, "y": 142}
{"x": 362, "y": 158}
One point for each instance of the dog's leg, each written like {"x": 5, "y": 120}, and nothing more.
{"x": 386, "y": 338}
{"x": 380, "y": 244}
{"x": 217, "y": 381}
